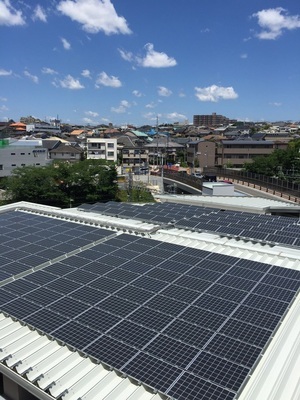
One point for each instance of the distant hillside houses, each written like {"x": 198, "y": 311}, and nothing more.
{"x": 217, "y": 142}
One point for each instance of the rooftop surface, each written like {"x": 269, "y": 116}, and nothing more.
{"x": 149, "y": 301}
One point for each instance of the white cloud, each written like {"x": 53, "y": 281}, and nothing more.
{"x": 215, "y": 93}
{"x": 86, "y": 74}
{"x": 66, "y": 44}
{"x": 175, "y": 116}
{"x": 126, "y": 55}
{"x": 95, "y": 16}
{"x": 154, "y": 59}
{"x": 105, "y": 80}
{"x": 276, "y": 104}
{"x": 39, "y": 14}
{"x": 137, "y": 93}
{"x": 274, "y": 21}
{"x": 9, "y": 16}
{"x": 34, "y": 78}
{"x": 71, "y": 83}
{"x": 124, "y": 105}
{"x": 3, "y": 108}
{"x": 5, "y": 72}
{"x": 150, "y": 105}
{"x": 244, "y": 56}
{"x": 163, "y": 91}
{"x": 151, "y": 116}
{"x": 48, "y": 71}
{"x": 89, "y": 121}
{"x": 92, "y": 114}
{"x": 182, "y": 94}
{"x": 3, "y": 99}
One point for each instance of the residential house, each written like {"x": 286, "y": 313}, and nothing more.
{"x": 66, "y": 152}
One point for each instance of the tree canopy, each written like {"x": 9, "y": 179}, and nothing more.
{"x": 62, "y": 184}
{"x": 280, "y": 163}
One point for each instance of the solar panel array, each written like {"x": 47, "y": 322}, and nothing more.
{"x": 30, "y": 240}
{"x": 260, "y": 227}
{"x": 186, "y": 322}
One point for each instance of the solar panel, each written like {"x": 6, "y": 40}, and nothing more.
{"x": 198, "y": 388}
{"x": 185, "y": 321}
{"x": 234, "y": 350}
{"x": 152, "y": 370}
{"x": 97, "y": 319}
{"x": 76, "y": 335}
{"x": 223, "y": 372}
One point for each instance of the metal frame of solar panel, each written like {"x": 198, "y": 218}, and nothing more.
{"x": 184, "y": 321}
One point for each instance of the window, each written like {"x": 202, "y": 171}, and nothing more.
{"x": 110, "y": 153}
{"x": 12, "y": 154}
{"x": 22, "y": 165}
{"x": 22, "y": 154}
{"x": 110, "y": 145}
{"x": 37, "y": 164}
{"x": 1, "y": 167}
{"x": 13, "y": 165}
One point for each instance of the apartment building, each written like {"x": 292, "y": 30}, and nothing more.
{"x": 101, "y": 149}
{"x": 200, "y": 154}
{"x": 134, "y": 159}
{"x": 238, "y": 152}
{"x": 211, "y": 120}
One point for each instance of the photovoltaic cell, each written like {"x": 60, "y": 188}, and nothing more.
{"x": 111, "y": 351}
{"x": 266, "y": 304}
{"x": 152, "y": 370}
{"x": 150, "y": 318}
{"x": 188, "y": 333}
{"x": 76, "y": 335}
{"x": 247, "y": 333}
{"x": 132, "y": 334}
{"x": 98, "y": 319}
{"x": 198, "y": 389}
{"x": 219, "y": 371}
{"x": 117, "y": 306}
{"x": 46, "y": 320}
{"x": 171, "y": 350}
{"x": 257, "y": 317}
{"x": 234, "y": 350}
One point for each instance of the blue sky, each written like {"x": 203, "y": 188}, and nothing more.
{"x": 131, "y": 62}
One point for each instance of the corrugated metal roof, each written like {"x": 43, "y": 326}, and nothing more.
{"x": 247, "y": 249}
{"x": 56, "y": 370}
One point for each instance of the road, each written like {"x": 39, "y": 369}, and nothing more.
{"x": 251, "y": 191}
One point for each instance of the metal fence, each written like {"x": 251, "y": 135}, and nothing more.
{"x": 282, "y": 188}
{"x": 261, "y": 181}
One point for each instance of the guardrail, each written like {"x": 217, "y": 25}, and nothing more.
{"x": 275, "y": 186}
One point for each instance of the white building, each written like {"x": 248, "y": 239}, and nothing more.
{"x": 101, "y": 149}
{"x": 22, "y": 153}
{"x": 53, "y": 127}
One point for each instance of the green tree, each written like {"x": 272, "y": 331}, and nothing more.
{"x": 62, "y": 184}
{"x": 278, "y": 160}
